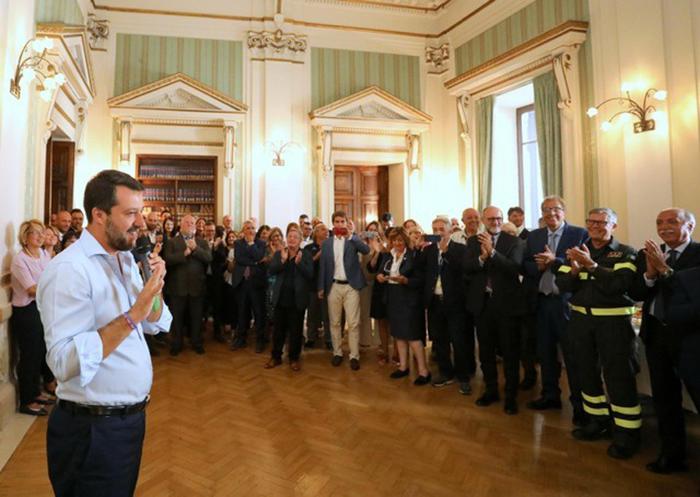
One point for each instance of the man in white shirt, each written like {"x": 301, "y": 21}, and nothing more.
{"x": 341, "y": 279}
{"x": 95, "y": 310}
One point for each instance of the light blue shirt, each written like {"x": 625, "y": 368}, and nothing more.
{"x": 82, "y": 290}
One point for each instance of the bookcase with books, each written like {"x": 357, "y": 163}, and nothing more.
{"x": 181, "y": 184}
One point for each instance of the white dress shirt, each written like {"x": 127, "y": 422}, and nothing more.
{"x": 338, "y": 253}
{"x": 83, "y": 289}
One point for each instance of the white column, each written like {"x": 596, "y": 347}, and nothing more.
{"x": 326, "y": 183}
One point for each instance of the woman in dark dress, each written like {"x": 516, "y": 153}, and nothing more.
{"x": 377, "y": 308}
{"x": 397, "y": 268}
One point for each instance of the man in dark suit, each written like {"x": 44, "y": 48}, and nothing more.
{"x": 249, "y": 280}
{"x": 444, "y": 296}
{"x": 187, "y": 260}
{"x": 684, "y": 310}
{"x": 528, "y": 327}
{"x": 215, "y": 278}
{"x": 657, "y": 285}
{"x": 545, "y": 252}
{"x": 493, "y": 260}
{"x": 340, "y": 279}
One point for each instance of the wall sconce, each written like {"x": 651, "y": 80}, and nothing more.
{"x": 643, "y": 112}
{"x": 29, "y": 65}
{"x": 277, "y": 151}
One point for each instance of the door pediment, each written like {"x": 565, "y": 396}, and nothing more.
{"x": 371, "y": 108}
{"x": 177, "y": 96}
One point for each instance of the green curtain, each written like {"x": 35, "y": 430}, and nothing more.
{"x": 548, "y": 133}
{"x": 484, "y": 125}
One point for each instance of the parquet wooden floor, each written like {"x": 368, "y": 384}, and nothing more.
{"x": 220, "y": 425}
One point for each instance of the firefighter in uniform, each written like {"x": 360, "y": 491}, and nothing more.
{"x": 598, "y": 275}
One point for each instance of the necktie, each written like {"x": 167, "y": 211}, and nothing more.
{"x": 672, "y": 258}
{"x": 547, "y": 285}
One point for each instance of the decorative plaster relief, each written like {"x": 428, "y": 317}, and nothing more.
{"x": 277, "y": 44}
{"x": 372, "y": 110}
{"x": 178, "y": 99}
{"x": 98, "y": 30}
{"x": 437, "y": 58}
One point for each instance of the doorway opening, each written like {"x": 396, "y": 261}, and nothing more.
{"x": 362, "y": 192}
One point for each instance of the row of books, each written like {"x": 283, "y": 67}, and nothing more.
{"x": 180, "y": 172}
{"x": 192, "y": 195}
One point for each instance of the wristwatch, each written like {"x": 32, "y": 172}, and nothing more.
{"x": 667, "y": 274}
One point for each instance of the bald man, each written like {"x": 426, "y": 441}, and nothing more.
{"x": 472, "y": 220}
{"x": 63, "y": 222}
{"x": 187, "y": 259}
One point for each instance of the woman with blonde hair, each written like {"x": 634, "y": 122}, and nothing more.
{"x": 27, "y": 266}
{"x": 50, "y": 240}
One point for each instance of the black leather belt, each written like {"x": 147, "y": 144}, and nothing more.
{"x": 341, "y": 282}
{"x": 87, "y": 410}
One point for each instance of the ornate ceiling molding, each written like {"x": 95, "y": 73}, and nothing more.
{"x": 437, "y": 58}
{"x": 277, "y": 45}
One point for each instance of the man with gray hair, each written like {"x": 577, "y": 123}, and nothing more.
{"x": 598, "y": 274}
{"x": 664, "y": 339}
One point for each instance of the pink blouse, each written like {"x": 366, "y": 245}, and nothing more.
{"x": 26, "y": 271}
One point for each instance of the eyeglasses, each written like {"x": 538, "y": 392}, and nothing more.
{"x": 595, "y": 222}
{"x": 546, "y": 210}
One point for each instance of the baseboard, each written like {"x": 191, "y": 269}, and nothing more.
{"x": 13, "y": 426}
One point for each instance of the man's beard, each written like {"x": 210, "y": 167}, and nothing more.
{"x": 118, "y": 240}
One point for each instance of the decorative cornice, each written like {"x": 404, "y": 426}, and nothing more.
{"x": 63, "y": 32}
{"x": 277, "y": 41}
{"x": 177, "y": 143}
{"x": 366, "y": 132}
{"x": 298, "y": 22}
{"x": 437, "y": 58}
{"x": 179, "y": 122}
{"x": 547, "y": 36}
{"x": 391, "y": 5}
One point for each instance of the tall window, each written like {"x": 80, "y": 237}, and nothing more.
{"x": 515, "y": 161}
{"x": 529, "y": 178}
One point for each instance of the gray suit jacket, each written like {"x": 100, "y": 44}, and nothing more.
{"x": 351, "y": 260}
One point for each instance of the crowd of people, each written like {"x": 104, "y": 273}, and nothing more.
{"x": 522, "y": 295}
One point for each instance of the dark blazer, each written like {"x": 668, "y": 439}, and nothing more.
{"x": 186, "y": 275}
{"x": 454, "y": 286}
{"x": 410, "y": 294}
{"x": 249, "y": 256}
{"x": 503, "y": 269}
{"x": 524, "y": 234}
{"x": 353, "y": 271}
{"x": 218, "y": 262}
{"x": 303, "y": 277}
{"x": 536, "y": 240}
{"x": 690, "y": 258}
{"x": 684, "y": 307}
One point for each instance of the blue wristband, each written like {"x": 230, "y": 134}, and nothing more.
{"x": 131, "y": 322}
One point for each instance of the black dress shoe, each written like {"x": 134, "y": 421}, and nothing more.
{"x": 665, "y": 465}
{"x": 422, "y": 380}
{"x": 487, "y": 399}
{"x": 219, "y": 338}
{"x": 174, "y": 351}
{"x": 259, "y": 346}
{"x": 621, "y": 452}
{"x": 591, "y": 432}
{"x": 33, "y": 412}
{"x": 337, "y": 360}
{"x": 310, "y": 344}
{"x": 354, "y": 364}
{"x": 542, "y": 404}
{"x": 199, "y": 350}
{"x": 399, "y": 373}
{"x": 510, "y": 407}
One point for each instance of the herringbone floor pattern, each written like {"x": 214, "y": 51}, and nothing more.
{"x": 220, "y": 425}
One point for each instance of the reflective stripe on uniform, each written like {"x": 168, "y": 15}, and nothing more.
{"x": 596, "y": 411}
{"x": 629, "y": 424}
{"x": 604, "y": 311}
{"x": 631, "y": 411}
{"x": 625, "y": 265}
{"x": 564, "y": 269}
{"x": 594, "y": 399}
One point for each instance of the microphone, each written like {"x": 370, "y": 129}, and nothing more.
{"x": 141, "y": 253}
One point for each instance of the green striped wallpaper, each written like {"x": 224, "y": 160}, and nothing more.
{"x": 65, "y": 11}
{"x": 338, "y": 73}
{"x": 533, "y": 20}
{"x": 143, "y": 59}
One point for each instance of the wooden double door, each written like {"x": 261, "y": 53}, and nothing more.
{"x": 362, "y": 192}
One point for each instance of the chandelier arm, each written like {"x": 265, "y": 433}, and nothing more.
{"x": 619, "y": 114}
